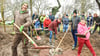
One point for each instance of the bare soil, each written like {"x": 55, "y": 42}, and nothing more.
{"x": 7, "y": 39}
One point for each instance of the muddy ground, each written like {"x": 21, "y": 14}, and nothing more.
{"x": 6, "y": 40}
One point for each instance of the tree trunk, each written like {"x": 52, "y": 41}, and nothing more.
{"x": 2, "y": 14}
{"x": 59, "y": 4}
{"x": 98, "y": 3}
{"x": 31, "y": 16}
{"x": 31, "y": 7}
{"x": 55, "y": 9}
{"x": 83, "y": 4}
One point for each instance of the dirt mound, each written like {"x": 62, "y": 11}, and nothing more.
{"x": 5, "y": 38}
{"x": 5, "y": 43}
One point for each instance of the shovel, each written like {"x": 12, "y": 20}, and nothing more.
{"x": 80, "y": 35}
{"x": 35, "y": 45}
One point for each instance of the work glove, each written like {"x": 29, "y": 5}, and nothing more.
{"x": 21, "y": 28}
{"x": 12, "y": 22}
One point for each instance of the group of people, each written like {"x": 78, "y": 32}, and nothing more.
{"x": 79, "y": 24}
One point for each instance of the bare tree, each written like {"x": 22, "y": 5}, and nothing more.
{"x": 85, "y": 5}
{"x": 41, "y": 5}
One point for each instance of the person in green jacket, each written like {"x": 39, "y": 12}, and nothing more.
{"x": 42, "y": 18}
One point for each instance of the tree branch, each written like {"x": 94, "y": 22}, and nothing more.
{"x": 98, "y": 4}
{"x": 59, "y": 4}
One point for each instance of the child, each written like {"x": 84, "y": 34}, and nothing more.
{"x": 83, "y": 29}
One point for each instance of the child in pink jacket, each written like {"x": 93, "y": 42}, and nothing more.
{"x": 83, "y": 29}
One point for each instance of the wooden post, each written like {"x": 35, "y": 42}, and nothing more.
{"x": 31, "y": 17}
{"x": 2, "y": 14}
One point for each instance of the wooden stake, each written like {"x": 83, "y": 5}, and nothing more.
{"x": 2, "y": 14}
{"x": 31, "y": 16}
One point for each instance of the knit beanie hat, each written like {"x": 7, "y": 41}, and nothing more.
{"x": 75, "y": 11}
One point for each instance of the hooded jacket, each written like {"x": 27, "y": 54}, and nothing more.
{"x": 46, "y": 22}
{"x": 82, "y": 28}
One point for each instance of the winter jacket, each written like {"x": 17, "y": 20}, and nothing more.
{"x": 82, "y": 28}
{"x": 46, "y": 22}
{"x": 75, "y": 21}
{"x": 97, "y": 19}
{"x": 65, "y": 21}
{"x": 37, "y": 23}
{"x": 51, "y": 17}
{"x": 53, "y": 26}
{"x": 90, "y": 20}
{"x": 22, "y": 19}
{"x": 42, "y": 19}
{"x": 34, "y": 16}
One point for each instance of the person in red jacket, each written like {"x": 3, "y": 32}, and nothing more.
{"x": 53, "y": 29}
{"x": 46, "y": 23}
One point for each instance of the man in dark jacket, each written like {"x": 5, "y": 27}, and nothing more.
{"x": 75, "y": 20}
{"x": 23, "y": 20}
{"x": 53, "y": 29}
{"x": 96, "y": 20}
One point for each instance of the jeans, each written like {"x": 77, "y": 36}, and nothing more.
{"x": 42, "y": 26}
{"x": 74, "y": 37}
{"x": 59, "y": 27}
{"x": 65, "y": 27}
{"x": 36, "y": 26}
{"x": 51, "y": 33}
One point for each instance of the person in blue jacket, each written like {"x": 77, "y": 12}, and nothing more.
{"x": 65, "y": 23}
{"x": 52, "y": 17}
{"x": 89, "y": 20}
{"x": 37, "y": 24}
